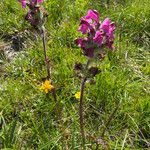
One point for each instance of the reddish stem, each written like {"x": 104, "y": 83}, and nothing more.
{"x": 47, "y": 64}
{"x": 81, "y": 110}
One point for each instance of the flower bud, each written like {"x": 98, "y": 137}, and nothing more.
{"x": 94, "y": 71}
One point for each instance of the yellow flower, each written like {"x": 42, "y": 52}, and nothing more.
{"x": 47, "y": 86}
{"x": 77, "y": 95}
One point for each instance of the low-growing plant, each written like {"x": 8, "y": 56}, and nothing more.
{"x": 36, "y": 16}
{"x": 99, "y": 37}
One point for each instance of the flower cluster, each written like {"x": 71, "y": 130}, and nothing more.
{"x": 99, "y": 35}
{"x": 36, "y": 14}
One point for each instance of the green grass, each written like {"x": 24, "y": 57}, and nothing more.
{"x": 28, "y": 119}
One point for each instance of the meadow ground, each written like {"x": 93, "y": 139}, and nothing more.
{"x": 28, "y": 119}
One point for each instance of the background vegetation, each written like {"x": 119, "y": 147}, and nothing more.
{"x": 27, "y": 115}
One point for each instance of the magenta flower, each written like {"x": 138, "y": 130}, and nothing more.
{"x": 92, "y": 14}
{"x": 36, "y": 14}
{"x": 31, "y": 2}
{"x": 108, "y": 27}
{"x": 98, "y": 38}
{"x": 105, "y": 25}
{"x": 99, "y": 35}
{"x": 85, "y": 26}
{"x": 89, "y": 22}
{"x": 23, "y": 3}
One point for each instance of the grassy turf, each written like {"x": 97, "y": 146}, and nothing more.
{"x": 28, "y": 117}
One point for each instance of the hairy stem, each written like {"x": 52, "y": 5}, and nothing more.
{"x": 81, "y": 110}
{"x": 47, "y": 63}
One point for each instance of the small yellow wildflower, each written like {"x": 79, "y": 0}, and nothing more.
{"x": 47, "y": 86}
{"x": 77, "y": 95}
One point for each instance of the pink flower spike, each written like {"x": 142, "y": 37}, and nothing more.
{"x": 92, "y": 14}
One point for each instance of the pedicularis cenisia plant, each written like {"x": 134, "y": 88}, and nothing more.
{"x": 36, "y": 16}
{"x": 98, "y": 38}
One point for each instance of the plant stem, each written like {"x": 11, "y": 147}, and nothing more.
{"x": 47, "y": 64}
{"x": 81, "y": 106}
